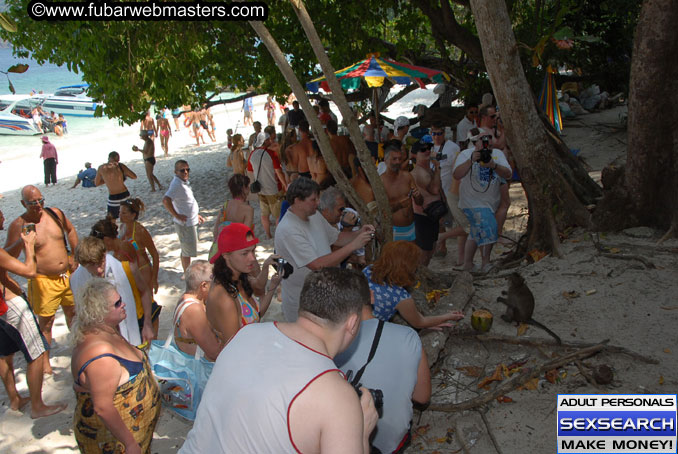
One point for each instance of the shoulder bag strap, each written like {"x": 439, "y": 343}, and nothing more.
{"x": 61, "y": 226}
{"x": 373, "y": 350}
{"x": 256, "y": 177}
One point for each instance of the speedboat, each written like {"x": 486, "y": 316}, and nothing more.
{"x": 15, "y": 115}
{"x": 71, "y": 100}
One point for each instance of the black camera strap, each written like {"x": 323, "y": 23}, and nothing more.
{"x": 373, "y": 350}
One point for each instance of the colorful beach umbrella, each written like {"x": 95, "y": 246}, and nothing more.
{"x": 548, "y": 99}
{"x": 374, "y": 70}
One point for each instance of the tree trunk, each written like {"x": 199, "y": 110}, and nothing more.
{"x": 384, "y": 228}
{"x": 298, "y": 90}
{"x": 652, "y": 156}
{"x": 553, "y": 203}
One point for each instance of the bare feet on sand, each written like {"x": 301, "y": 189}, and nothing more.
{"x": 47, "y": 410}
{"x": 19, "y": 403}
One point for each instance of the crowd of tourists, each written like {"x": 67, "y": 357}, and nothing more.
{"x": 334, "y": 374}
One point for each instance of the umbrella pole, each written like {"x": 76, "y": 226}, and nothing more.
{"x": 376, "y": 113}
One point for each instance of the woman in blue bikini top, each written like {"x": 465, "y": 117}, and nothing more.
{"x": 110, "y": 375}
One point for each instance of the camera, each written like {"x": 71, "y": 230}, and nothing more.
{"x": 440, "y": 156}
{"x": 358, "y": 221}
{"x": 283, "y": 268}
{"x": 377, "y": 396}
{"x": 28, "y": 228}
{"x": 485, "y": 152}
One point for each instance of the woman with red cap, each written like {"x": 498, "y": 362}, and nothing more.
{"x": 230, "y": 304}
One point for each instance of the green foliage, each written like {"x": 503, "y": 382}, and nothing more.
{"x": 131, "y": 64}
{"x": 600, "y": 33}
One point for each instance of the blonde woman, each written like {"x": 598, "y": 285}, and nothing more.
{"x": 118, "y": 402}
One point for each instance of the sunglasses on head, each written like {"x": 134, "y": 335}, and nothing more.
{"x": 33, "y": 203}
{"x": 97, "y": 234}
{"x": 118, "y": 303}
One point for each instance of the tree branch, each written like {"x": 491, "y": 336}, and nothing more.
{"x": 519, "y": 380}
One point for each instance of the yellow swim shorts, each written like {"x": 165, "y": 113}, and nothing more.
{"x": 47, "y": 293}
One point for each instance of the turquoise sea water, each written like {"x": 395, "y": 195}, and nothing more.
{"x": 48, "y": 78}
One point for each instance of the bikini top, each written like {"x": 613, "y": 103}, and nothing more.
{"x": 250, "y": 314}
{"x": 132, "y": 240}
{"x": 133, "y": 367}
{"x": 177, "y": 318}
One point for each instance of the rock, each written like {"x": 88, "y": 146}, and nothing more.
{"x": 611, "y": 176}
{"x": 433, "y": 342}
{"x": 576, "y": 107}
{"x": 591, "y": 102}
{"x": 472, "y": 435}
{"x": 603, "y": 375}
{"x": 457, "y": 296}
{"x": 565, "y": 110}
{"x": 639, "y": 232}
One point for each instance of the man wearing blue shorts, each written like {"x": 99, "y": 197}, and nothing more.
{"x": 480, "y": 170}
{"x": 400, "y": 189}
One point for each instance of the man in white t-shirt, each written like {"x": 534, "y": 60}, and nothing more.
{"x": 466, "y": 123}
{"x": 304, "y": 238}
{"x": 183, "y": 207}
{"x": 479, "y": 170}
{"x": 264, "y": 166}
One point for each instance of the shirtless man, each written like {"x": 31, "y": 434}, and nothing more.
{"x": 205, "y": 120}
{"x": 253, "y": 138}
{"x": 362, "y": 186}
{"x": 428, "y": 183}
{"x": 400, "y": 189}
{"x": 317, "y": 166}
{"x": 148, "y": 125}
{"x": 20, "y": 332}
{"x": 113, "y": 174}
{"x": 50, "y": 287}
{"x": 342, "y": 146}
{"x": 298, "y": 153}
{"x": 194, "y": 115}
{"x": 148, "y": 153}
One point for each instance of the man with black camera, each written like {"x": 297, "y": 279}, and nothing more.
{"x": 301, "y": 402}
{"x": 480, "y": 170}
{"x": 305, "y": 239}
{"x": 333, "y": 208}
{"x": 398, "y": 370}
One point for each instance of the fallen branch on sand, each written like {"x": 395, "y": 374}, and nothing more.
{"x": 645, "y": 261}
{"x": 552, "y": 343}
{"x": 602, "y": 251}
{"x": 517, "y": 381}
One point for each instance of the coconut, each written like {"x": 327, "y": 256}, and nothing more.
{"x": 481, "y": 320}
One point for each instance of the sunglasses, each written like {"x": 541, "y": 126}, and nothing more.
{"x": 118, "y": 303}
{"x": 97, "y": 234}
{"x": 437, "y": 133}
{"x": 186, "y": 170}
{"x": 33, "y": 203}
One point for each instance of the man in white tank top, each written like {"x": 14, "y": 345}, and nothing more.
{"x": 274, "y": 387}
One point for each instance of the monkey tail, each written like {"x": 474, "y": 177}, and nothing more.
{"x": 554, "y": 335}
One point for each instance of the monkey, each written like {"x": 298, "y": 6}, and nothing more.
{"x": 520, "y": 304}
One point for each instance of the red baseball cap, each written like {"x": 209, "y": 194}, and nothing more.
{"x": 233, "y": 237}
